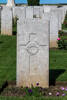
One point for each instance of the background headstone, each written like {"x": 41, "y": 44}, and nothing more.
{"x": 36, "y": 11}
{"x": 29, "y": 12}
{"x": 6, "y": 21}
{"x": 54, "y": 28}
{"x": 0, "y": 20}
{"x": 19, "y": 12}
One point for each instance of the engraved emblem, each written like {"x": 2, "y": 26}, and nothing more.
{"x": 32, "y": 48}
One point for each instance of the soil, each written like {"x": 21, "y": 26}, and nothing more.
{"x": 12, "y": 90}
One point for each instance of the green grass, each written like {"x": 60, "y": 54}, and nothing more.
{"x": 7, "y": 58}
{"x": 64, "y": 26}
{"x": 58, "y": 66}
{"x": 58, "y": 63}
{"x": 33, "y": 98}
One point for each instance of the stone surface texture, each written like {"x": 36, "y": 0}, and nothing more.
{"x": 32, "y": 52}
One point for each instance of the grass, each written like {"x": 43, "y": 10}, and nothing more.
{"x": 33, "y": 98}
{"x": 7, "y": 58}
{"x": 58, "y": 66}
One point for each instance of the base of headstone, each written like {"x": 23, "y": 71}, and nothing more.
{"x": 53, "y": 44}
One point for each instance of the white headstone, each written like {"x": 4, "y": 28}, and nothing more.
{"x": 33, "y": 52}
{"x": 58, "y": 12}
{"x": 36, "y": 12}
{"x": 0, "y": 20}
{"x": 19, "y": 12}
{"x": 29, "y": 12}
{"x": 63, "y": 14}
{"x": 6, "y": 21}
{"x": 54, "y": 28}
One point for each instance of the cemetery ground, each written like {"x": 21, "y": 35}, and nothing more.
{"x": 8, "y": 89}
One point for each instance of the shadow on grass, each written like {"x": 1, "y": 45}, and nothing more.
{"x": 1, "y": 42}
{"x": 54, "y": 74}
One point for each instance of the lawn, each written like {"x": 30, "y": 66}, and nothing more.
{"x": 7, "y": 58}
{"x": 33, "y": 98}
{"x": 58, "y": 66}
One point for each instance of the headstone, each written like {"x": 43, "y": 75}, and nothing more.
{"x": 58, "y": 12}
{"x": 0, "y": 12}
{"x": 33, "y": 52}
{"x": 51, "y": 7}
{"x": 6, "y": 21}
{"x": 62, "y": 14}
{"x": 47, "y": 13}
{"x": 19, "y": 12}
{"x": 0, "y": 20}
{"x": 54, "y": 28}
{"x": 29, "y": 12}
{"x": 56, "y": 20}
{"x": 41, "y": 10}
{"x": 36, "y": 12}
{"x": 65, "y": 7}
